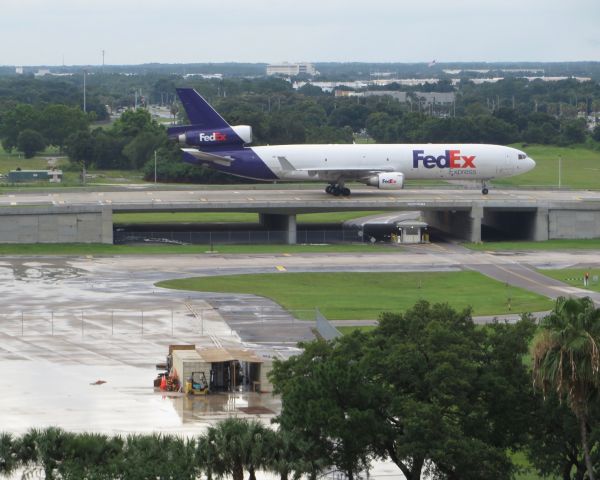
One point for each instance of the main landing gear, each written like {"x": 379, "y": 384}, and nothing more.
{"x": 484, "y": 188}
{"x": 337, "y": 190}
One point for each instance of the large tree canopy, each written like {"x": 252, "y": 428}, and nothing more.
{"x": 426, "y": 388}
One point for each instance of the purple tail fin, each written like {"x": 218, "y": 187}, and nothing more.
{"x": 200, "y": 113}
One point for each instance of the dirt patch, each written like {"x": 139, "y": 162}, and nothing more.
{"x": 256, "y": 410}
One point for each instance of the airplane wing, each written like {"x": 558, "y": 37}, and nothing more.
{"x": 208, "y": 157}
{"x": 323, "y": 171}
{"x": 327, "y": 173}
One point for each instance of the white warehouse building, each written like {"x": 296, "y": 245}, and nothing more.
{"x": 291, "y": 69}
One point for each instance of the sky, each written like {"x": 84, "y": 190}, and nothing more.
{"x": 75, "y": 32}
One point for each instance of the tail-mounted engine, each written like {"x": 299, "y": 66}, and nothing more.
{"x": 237, "y": 135}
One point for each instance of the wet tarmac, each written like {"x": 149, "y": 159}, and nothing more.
{"x": 68, "y": 322}
{"x": 79, "y": 349}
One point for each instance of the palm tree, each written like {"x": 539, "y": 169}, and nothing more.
{"x": 222, "y": 449}
{"x": 233, "y": 445}
{"x": 27, "y": 452}
{"x": 51, "y": 450}
{"x": 9, "y": 461}
{"x": 92, "y": 455}
{"x": 284, "y": 457}
{"x": 258, "y": 442}
{"x": 566, "y": 358}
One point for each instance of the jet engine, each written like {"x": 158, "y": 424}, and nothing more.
{"x": 387, "y": 181}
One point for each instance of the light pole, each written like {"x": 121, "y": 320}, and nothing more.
{"x": 559, "y": 171}
{"x": 84, "y": 103}
{"x": 155, "y": 166}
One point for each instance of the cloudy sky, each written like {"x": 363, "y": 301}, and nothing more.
{"x": 34, "y": 32}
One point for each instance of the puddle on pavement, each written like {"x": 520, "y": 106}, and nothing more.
{"x": 201, "y": 408}
{"x": 38, "y": 272}
{"x": 113, "y": 399}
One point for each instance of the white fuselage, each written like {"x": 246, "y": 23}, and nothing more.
{"x": 415, "y": 161}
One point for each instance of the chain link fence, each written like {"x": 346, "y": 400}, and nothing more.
{"x": 261, "y": 237}
{"x": 163, "y": 322}
{"x": 82, "y": 323}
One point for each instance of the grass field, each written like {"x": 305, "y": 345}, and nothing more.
{"x": 230, "y": 217}
{"x": 574, "y": 277}
{"x": 592, "y": 244}
{"x": 357, "y": 296}
{"x": 580, "y": 168}
{"x": 160, "y": 249}
{"x": 10, "y": 161}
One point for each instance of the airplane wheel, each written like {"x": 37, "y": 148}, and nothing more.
{"x": 484, "y": 190}
{"x": 345, "y": 191}
{"x": 336, "y": 192}
{"x": 329, "y": 189}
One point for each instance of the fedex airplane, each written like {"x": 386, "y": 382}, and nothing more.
{"x": 211, "y": 141}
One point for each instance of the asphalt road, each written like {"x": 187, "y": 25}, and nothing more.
{"x": 144, "y": 196}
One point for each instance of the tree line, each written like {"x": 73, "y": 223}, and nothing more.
{"x": 427, "y": 389}
{"x": 48, "y": 112}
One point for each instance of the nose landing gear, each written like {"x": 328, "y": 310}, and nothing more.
{"x": 484, "y": 189}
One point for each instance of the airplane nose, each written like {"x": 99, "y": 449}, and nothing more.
{"x": 530, "y": 164}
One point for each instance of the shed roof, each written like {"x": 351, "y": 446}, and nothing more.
{"x": 215, "y": 355}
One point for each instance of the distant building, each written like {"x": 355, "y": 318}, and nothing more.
{"x": 19, "y": 70}
{"x": 400, "y": 96}
{"x": 42, "y": 72}
{"x": 291, "y": 69}
{"x": 207, "y": 76}
{"x": 425, "y": 98}
{"x": 443, "y": 98}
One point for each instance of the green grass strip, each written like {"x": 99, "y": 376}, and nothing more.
{"x": 160, "y": 249}
{"x": 586, "y": 244}
{"x": 574, "y": 277}
{"x": 229, "y": 217}
{"x": 357, "y": 296}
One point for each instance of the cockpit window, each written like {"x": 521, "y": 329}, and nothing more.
{"x": 522, "y": 156}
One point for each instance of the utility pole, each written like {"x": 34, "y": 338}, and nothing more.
{"x": 84, "y": 100}
{"x": 155, "y": 167}
{"x": 559, "y": 171}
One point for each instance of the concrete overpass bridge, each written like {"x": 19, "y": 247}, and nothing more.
{"x": 67, "y": 216}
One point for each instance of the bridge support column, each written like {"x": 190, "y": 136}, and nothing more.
{"x": 476, "y": 218}
{"x": 541, "y": 225}
{"x": 286, "y": 223}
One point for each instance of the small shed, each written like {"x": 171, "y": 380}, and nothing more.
{"x": 225, "y": 368}
{"x": 186, "y": 362}
{"x": 411, "y": 231}
{"x": 403, "y": 231}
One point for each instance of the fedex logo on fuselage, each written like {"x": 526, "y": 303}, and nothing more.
{"x": 213, "y": 137}
{"x": 451, "y": 159}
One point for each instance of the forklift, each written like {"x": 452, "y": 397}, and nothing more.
{"x": 196, "y": 384}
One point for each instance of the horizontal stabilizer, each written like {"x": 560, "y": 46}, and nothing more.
{"x": 208, "y": 157}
